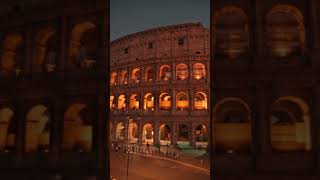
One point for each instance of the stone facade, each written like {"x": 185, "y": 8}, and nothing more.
{"x": 160, "y": 86}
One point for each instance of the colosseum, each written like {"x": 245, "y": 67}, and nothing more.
{"x": 160, "y": 86}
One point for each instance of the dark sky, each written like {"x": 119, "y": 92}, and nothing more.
{"x": 130, "y": 16}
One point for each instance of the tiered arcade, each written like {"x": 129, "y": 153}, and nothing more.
{"x": 160, "y": 86}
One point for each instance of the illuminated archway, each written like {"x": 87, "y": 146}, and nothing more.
{"x": 232, "y": 117}
{"x": 285, "y": 31}
{"x": 10, "y": 58}
{"x": 165, "y": 73}
{"x": 120, "y": 131}
{"x": 149, "y": 74}
{"x": 230, "y": 26}
{"x": 134, "y": 102}
{"x": 83, "y": 45}
{"x": 133, "y": 134}
{"x": 148, "y": 102}
{"x": 45, "y": 54}
{"x": 200, "y": 101}
{"x": 7, "y": 137}
{"x": 182, "y": 72}
{"x": 112, "y": 103}
{"x": 182, "y": 101}
{"x": 165, "y": 134}
{"x": 199, "y": 71}
{"x": 113, "y": 78}
{"x": 122, "y": 102}
{"x": 147, "y": 136}
{"x": 164, "y": 101}
{"x": 37, "y": 129}
{"x": 290, "y": 125}
{"x": 136, "y": 75}
{"x": 77, "y": 128}
{"x": 124, "y": 77}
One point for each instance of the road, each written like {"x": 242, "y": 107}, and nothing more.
{"x": 149, "y": 168}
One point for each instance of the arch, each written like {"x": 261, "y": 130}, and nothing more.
{"x": 10, "y": 46}
{"x": 113, "y": 78}
{"x": 37, "y": 129}
{"x": 230, "y": 25}
{"x": 165, "y": 72}
{"x": 78, "y": 47}
{"x": 200, "y": 101}
{"x": 201, "y": 133}
{"x": 149, "y": 74}
{"x": 6, "y": 138}
{"x": 199, "y": 71}
{"x": 136, "y": 75}
{"x": 285, "y": 31}
{"x": 112, "y": 102}
{"x": 134, "y": 102}
{"x": 122, "y": 102}
{"x": 42, "y": 56}
{"x": 164, "y": 101}
{"x": 77, "y": 128}
{"x": 164, "y": 134}
{"x": 183, "y": 133}
{"x": 147, "y": 133}
{"x": 133, "y": 133}
{"x": 124, "y": 77}
{"x": 232, "y": 117}
{"x": 182, "y": 101}
{"x": 148, "y": 102}
{"x": 120, "y": 131}
{"x": 290, "y": 124}
{"x": 182, "y": 71}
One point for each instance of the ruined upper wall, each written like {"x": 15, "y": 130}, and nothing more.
{"x": 163, "y": 42}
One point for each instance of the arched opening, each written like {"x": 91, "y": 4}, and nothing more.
{"x": 147, "y": 136}
{"x": 134, "y": 102}
{"x": 165, "y": 73}
{"x": 112, "y": 103}
{"x": 148, "y": 102}
{"x": 7, "y": 133}
{"x": 45, "y": 52}
{"x": 182, "y": 72}
{"x": 77, "y": 128}
{"x": 183, "y": 134}
{"x": 182, "y": 100}
{"x": 120, "y": 131}
{"x": 201, "y": 136}
{"x": 290, "y": 125}
{"x": 200, "y": 101}
{"x": 133, "y": 133}
{"x": 199, "y": 71}
{"x": 12, "y": 54}
{"x": 232, "y": 125}
{"x": 136, "y": 75}
{"x": 164, "y": 101}
{"x": 83, "y": 45}
{"x": 124, "y": 77}
{"x": 38, "y": 129}
{"x": 165, "y": 134}
{"x": 285, "y": 31}
{"x": 149, "y": 74}
{"x": 230, "y": 25}
{"x": 122, "y": 102}
{"x": 113, "y": 78}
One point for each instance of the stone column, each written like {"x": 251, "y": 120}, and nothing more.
{"x": 28, "y": 61}
{"x": 127, "y": 102}
{"x": 156, "y": 133}
{"x": 173, "y": 102}
{"x": 191, "y": 101}
{"x": 156, "y": 102}
{"x": 140, "y": 131}
{"x": 174, "y": 134}
{"x": 192, "y": 135}
{"x": 315, "y": 133}
{"x": 126, "y": 130}
{"x": 62, "y": 61}
{"x": 173, "y": 71}
{"x": 20, "y": 134}
{"x": 157, "y": 72}
{"x": 141, "y": 98}
{"x": 129, "y": 80}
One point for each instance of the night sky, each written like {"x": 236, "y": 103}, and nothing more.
{"x": 130, "y": 16}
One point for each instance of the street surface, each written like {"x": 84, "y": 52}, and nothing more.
{"x": 150, "y": 168}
